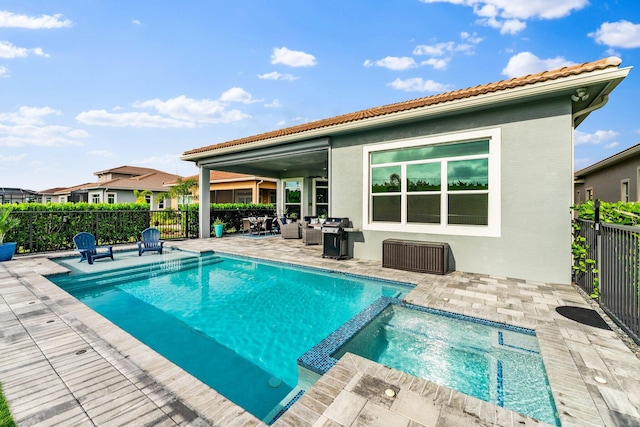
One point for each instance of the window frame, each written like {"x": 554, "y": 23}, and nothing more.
{"x": 95, "y": 198}
{"x": 625, "y": 190}
{"x": 115, "y": 198}
{"x": 588, "y": 194}
{"x": 492, "y": 229}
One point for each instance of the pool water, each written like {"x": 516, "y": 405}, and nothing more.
{"x": 499, "y": 365}
{"x": 236, "y": 324}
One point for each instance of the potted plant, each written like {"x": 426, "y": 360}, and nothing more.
{"x": 218, "y": 227}
{"x": 322, "y": 218}
{"x": 7, "y": 223}
{"x": 294, "y": 217}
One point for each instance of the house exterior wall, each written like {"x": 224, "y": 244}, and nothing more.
{"x": 607, "y": 182}
{"x": 536, "y": 183}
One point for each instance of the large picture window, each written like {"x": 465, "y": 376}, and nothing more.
{"x": 448, "y": 184}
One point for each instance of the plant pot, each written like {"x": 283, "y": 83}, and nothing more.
{"x": 7, "y": 250}
{"x": 218, "y": 229}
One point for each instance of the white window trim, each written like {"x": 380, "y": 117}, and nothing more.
{"x": 115, "y": 197}
{"x": 622, "y": 195}
{"x": 493, "y": 229}
{"x": 637, "y": 185}
{"x": 95, "y": 194}
{"x": 302, "y": 194}
{"x": 588, "y": 194}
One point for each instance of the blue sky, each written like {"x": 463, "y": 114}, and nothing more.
{"x": 87, "y": 85}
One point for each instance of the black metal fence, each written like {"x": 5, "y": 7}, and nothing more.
{"x": 49, "y": 231}
{"x": 616, "y": 251}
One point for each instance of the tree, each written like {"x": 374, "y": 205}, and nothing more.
{"x": 182, "y": 188}
{"x": 141, "y": 195}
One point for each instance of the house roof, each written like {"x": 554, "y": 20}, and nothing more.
{"x": 129, "y": 170}
{"x": 153, "y": 181}
{"x": 414, "y": 104}
{"x": 221, "y": 176}
{"x": 68, "y": 190}
{"x": 616, "y": 158}
{"x": 51, "y": 190}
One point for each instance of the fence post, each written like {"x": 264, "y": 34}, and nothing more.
{"x": 598, "y": 246}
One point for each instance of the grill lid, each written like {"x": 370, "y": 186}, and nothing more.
{"x": 336, "y": 223}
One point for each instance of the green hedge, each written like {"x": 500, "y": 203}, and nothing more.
{"x": 612, "y": 213}
{"x": 230, "y": 213}
{"x": 52, "y": 227}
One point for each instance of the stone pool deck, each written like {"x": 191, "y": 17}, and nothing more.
{"x": 63, "y": 364}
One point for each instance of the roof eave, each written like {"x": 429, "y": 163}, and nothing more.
{"x": 630, "y": 152}
{"x": 506, "y": 96}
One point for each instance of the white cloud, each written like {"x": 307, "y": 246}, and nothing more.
{"x": 596, "y": 138}
{"x": 622, "y": 34}
{"x": 612, "y": 145}
{"x": 442, "y": 53}
{"x": 274, "y": 104}
{"x": 525, "y": 63}
{"x": 130, "y": 119}
{"x": 136, "y": 22}
{"x": 292, "y": 58}
{"x": 4, "y": 72}
{"x": 417, "y": 84}
{"x": 393, "y": 63}
{"x": 8, "y": 51}
{"x": 12, "y": 20}
{"x": 26, "y": 126}
{"x": 28, "y": 115}
{"x": 274, "y": 75}
{"x": 437, "y": 64}
{"x": 15, "y": 158}
{"x": 509, "y": 15}
{"x": 178, "y": 112}
{"x": 101, "y": 153}
{"x": 237, "y": 94}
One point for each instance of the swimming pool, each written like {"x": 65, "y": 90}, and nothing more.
{"x": 237, "y": 324}
{"x": 497, "y": 363}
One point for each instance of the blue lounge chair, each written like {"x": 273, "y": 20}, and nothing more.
{"x": 86, "y": 245}
{"x": 150, "y": 241}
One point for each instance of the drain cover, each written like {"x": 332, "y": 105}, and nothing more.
{"x": 583, "y": 315}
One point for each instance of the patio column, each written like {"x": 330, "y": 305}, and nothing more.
{"x": 204, "y": 189}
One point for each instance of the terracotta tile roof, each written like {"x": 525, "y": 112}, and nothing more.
{"x": 74, "y": 188}
{"x": 151, "y": 181}
{"x": 221, "y": 176}
{"x": 129, "y": 170}
{"x": 422, "y": 102}
{"x": 51, "y": 190}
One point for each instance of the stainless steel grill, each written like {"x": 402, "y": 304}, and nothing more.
{"x": 335, "y": 238}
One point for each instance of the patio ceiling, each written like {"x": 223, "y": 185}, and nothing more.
{"x": 307, "y": 158}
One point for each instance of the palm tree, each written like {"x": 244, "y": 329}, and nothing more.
{"x": 141, "y": 195}
{"x": 182, "y": 188}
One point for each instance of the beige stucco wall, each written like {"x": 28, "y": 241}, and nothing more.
{"x": 536, "y": 181}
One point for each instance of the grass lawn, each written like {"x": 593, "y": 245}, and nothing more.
{"x": 5, "y": 415}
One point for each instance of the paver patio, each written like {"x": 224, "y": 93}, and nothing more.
{"x": 63, "y": 364}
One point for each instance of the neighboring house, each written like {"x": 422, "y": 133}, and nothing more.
{"x": 17, "y": 195}
{"x": 488, "y": 170}
{"x": 229, "y": 187}
{"x": 49, "y": 195}
{"x": 75, "y": 194}
{"x": 614, "y": 179}
{"x": 117, "y": 185}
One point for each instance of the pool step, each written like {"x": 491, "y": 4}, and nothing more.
{"x": 85, "y": 281}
